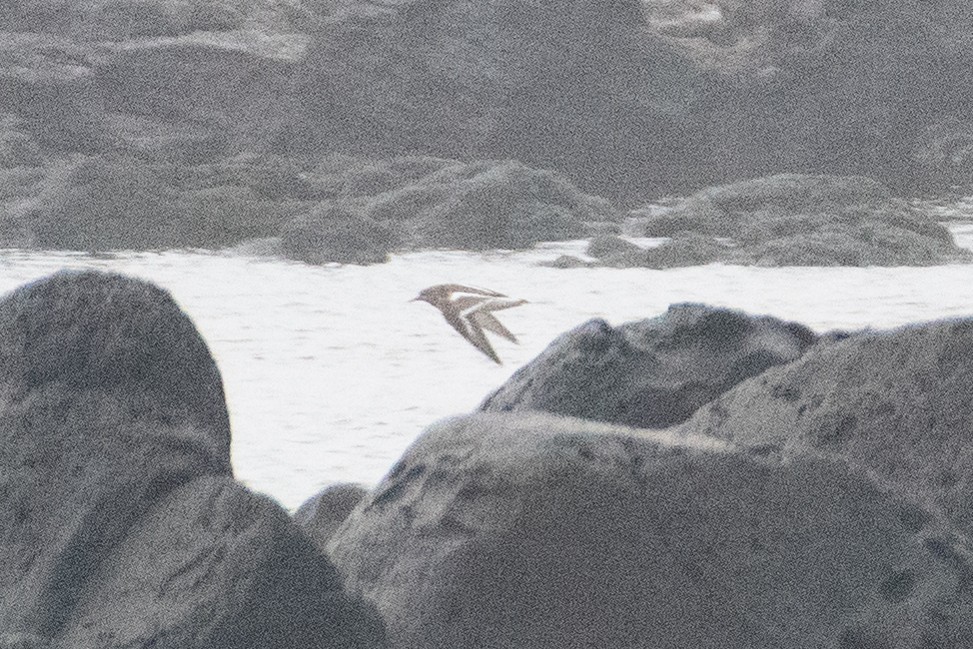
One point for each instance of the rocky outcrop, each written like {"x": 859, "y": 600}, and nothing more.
{"x": 527, "y": 530}
{"x": 576, "y": 87}
{"x": 650, "y": 373}
{"x": 322, "y": 514}
{"x": 125, "y": 202}
{"x": 123, "y": 526}
{"x": 794, "y": 220}
{"x": 438, "y": 203}
{"x": 894, "y": 402}
{"x": 631, "y": 99}
{"x": 115, "y": 20}
{"x": 333, "y": 233}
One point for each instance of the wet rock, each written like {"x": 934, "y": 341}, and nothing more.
{"x": 562, "y": 87}
{"x": 527, "y": 530}
{"x": 895, "y": 402}
{"x": 650, "y": 373}
{"x": 334, "y": 233}
{"x": 439, "y": 203}
{"x": 802, "y": 220}
{"x": 113, "y": 20}
{"x": 322, "y": 514}
{"x": 121, "y": 201}
{"x": 123, "y": 525}
{"x": 48, "y": 82}
{"x": 612, "y": 250}
{"x": 234, "y": 85}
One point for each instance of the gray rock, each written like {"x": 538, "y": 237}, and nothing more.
{"x": 322, "y": 514}
{"x": 533, "y": 531}
{"x": 335, "y": 233}
{"x": 650, "y": 373}
{"x": 123, "y": 525}
{"x": 584, "y": 89}
{"x": 802, "y": 220}
{"x": 895, "y": 402}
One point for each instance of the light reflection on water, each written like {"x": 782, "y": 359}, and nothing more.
{"x": 330, "y": 372}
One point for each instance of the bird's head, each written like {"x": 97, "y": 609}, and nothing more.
{"x": 429, "y": 295}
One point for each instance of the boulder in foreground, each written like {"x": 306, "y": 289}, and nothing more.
{"x": 897, "y": 403}
{"x": 533, "y": 531}
{"x": 123, "y": 525}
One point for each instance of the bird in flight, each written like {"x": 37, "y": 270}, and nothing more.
{"x": 468, "y": 311}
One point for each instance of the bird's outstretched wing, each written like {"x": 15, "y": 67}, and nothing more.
{"x": 468, "y": 310}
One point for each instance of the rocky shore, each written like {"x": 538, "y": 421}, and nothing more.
{"x": 330, "y": 131}
{"x": 701, "y": 479}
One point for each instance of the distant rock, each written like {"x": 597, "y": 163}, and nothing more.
{"x": 437, "y": 203}
{"x": 121, "y": 201}
{"x": 583, "y": 89}
{"x": 115, "y": 20}
{"x": 651, "y": 373}
{"x": 123, "y": 525}
{"x": 632, "y": 99}
{"x": 236, "y": 84}
{"x": 528, "y": 530}
{"x": 48, "y": 82}
{"x": 895, "y": 402}
{"x": 798, "y": 220}
{"x": 335, "y": 233}
{"x": 322, "y": 514}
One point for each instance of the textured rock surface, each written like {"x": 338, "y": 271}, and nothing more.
{"x": 122, "y": 525}
{"x": 333, "y": 233}
{"x": 896, "y": 402}
{"x": 650, "y": 373}
{"x": 433, "y": 202}
{"x": 322, "y": 514}
{"x": 796, "y": 220}
{"x": 526, "y": 530}
{"x": 627, "y": 96}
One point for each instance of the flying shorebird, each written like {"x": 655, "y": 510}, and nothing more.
{"x": 468, "y": 310}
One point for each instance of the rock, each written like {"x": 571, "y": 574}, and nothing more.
{"x": 439, "y": 203}
{"x": 322, "y": 514}
{"x": 112, "y": 20}
{"x": 650, "y": 373}
{"x": 110, "y": 202}
{"x": 528, "y": 530}
{"x": 234, "y": 84}
{"x": 334, "y": 233}
{"x": 48, "y": 83}
{"x": 565, "y": 261}
{"x": 613, "y": 250}
{"x": 802, "y": 220}
{"x": 895, "y": 402}
{"x": 120, "y": 201}
{"x": 585, "y": 90}
{"x": 488, "y": 205}
{"x": 123, "y": 525}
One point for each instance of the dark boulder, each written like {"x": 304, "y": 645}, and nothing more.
{"x": 650, "y": 373}
{"x": 322, "y": 514}
{"x": 534, "y": 531}
{"x": 335, "y": 233}
{"x": 123, "y": 525}
{"x": 896, "y": 402}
